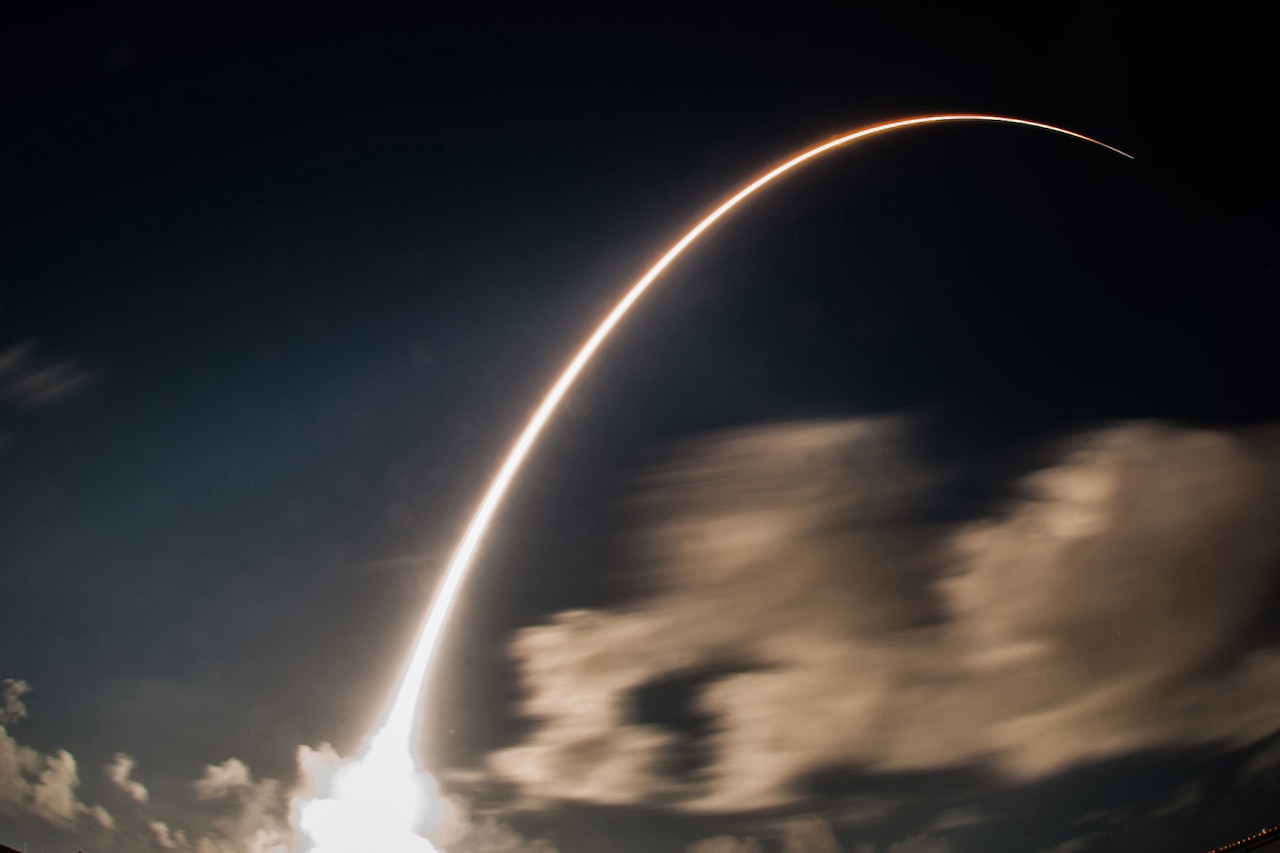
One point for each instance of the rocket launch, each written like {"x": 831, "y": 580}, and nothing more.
{"x": 377, "y": 799}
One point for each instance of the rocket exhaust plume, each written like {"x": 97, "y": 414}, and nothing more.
{"x": 377, "y": 800}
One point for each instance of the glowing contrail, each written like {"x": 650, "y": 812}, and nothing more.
{"x": 405, "y": 705}
{"x": 390, "y": 747}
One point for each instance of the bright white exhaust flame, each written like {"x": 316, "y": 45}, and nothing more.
{"x": 377, "y": 801}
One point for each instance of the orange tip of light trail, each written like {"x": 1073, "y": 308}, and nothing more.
{"x": 398, "y": 725}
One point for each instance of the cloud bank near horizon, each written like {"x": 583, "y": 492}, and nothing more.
{"x": 227, "y": 810}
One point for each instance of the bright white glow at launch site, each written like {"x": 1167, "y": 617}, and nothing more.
{"x": 379, "y": 800}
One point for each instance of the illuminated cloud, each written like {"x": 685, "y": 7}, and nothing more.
{"x": 725, "y": 844}
{"x": 12, "y": 708}
{"x": 797, "y": 835}
{"x": 221, "y": 780}
{"x": 257, "y": 821}
{"x": 491, "y": 836}
{"x": 809, "y": 835}
{"x": 44, "y": 786}
{"x": 53, "y": 793}
{"x": 165, "y": 837}
{"x": 251, "y": 815}
{"x": 851, "y": 632}
{"x": 36, "y": 784}
{"x": 119, "y": 772}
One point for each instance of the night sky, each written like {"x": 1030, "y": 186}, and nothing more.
{"x": 276, "y": 293}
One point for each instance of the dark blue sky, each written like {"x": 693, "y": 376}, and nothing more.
{"x": 314, "y": 273}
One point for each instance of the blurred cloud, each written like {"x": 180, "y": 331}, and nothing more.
{"x": 856, "y": 811}
{"x": 453, "y": 828}
{"x": 809, "y": 835}
{"x": 29, "y": 382}
{"x": 725, "y": 844}
{"x": 812, "y": 835}
{"x": 921, "y": 844}
{"x": 119, "y": 771}
{"x": 1184, "y": 799}
{"x": 958, "y": 819}
{"x": 1264, "y": 760}
{"x": 1074, "y": 845}
{"x": 1107, "y": 608}
{"x": 797, "y": 835}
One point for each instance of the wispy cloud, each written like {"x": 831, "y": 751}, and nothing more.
{"x": 811, "y": 834}
{"x": 921, "y": 844}
{"x": 958, "y": 819}
{"x": 29, "y": 382}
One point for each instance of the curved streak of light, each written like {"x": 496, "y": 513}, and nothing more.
{"x": 399, "y": 722}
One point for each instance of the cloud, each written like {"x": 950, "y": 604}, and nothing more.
{"x": 1266, "y": 759}
{"x": 489, "y": 835}
{"x": 798, "y": 835}
{"x": 1185, "y": 799}
{"x": 255, "y": 817}
{"x": 958, "y": 819}
{"x": 258, "y": 819}
{"x": 165, "y": 837}
{"x": 808, "y": 835}
{"x": 250, "y": 815}
{"x": 1074, "y": 845}
{"x": 227, "y": 810}
{"x": 921, "y": 844}
{"x": 34, "y": 783}
{"x": 12, "y": 708}
{"x": 452, "y": 826}
{"x": 855, "y": 811}
{"x": 46, "y": 787}
{"x": 53, "y": 793}
{"x": 1106, "y": 609}
{"x": 18, "y": 764}
{"x": 29, "y": 382}
{"x": 119, "y": 772}
{"x": 725, "y": 844}
{"x": 222, "y": 780}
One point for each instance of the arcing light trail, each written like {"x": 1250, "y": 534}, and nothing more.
{"x": 377, "y": 799}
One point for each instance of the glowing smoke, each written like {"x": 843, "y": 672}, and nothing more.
{"x": 376, "y": 802}
{"x": 378, "y": 799}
